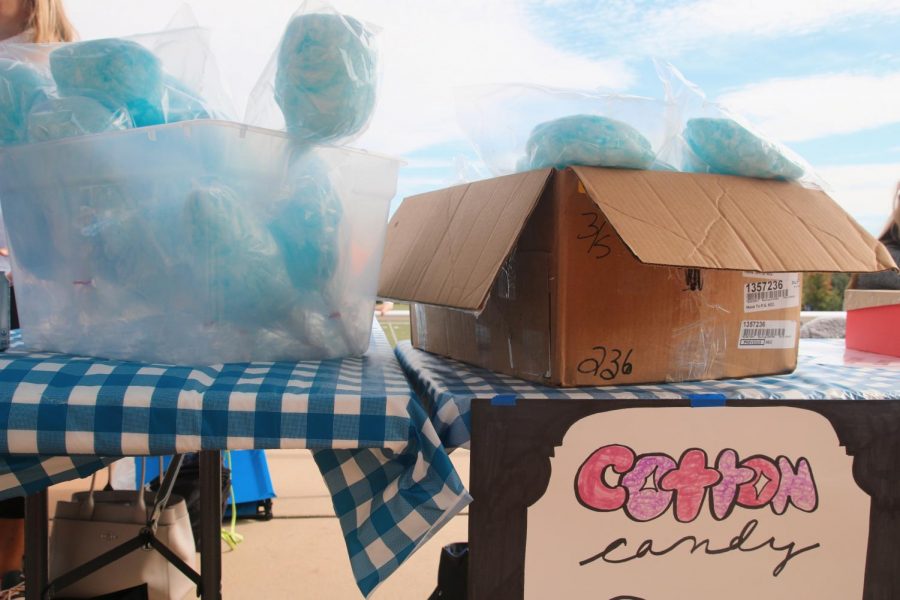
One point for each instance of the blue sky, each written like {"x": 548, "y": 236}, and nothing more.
{"x": 821, "y": 76}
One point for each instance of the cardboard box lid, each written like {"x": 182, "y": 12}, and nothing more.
{"x": 445, "y": 247}
{"x": 856, "y": 299}
{"x": 725, "y": 222}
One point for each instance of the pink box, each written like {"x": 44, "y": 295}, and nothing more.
{"x": 873, "y": 321}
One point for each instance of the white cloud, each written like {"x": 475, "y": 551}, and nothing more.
{"x": 717, "y": 18}
{"x": 864, "y": 191}
{"x": 668, "y": 28}
{"x": 433, "y": 183}
{"x": 428, "y": 48}
{"x": 813, "y": 107}
{"x": 431, "y": 48}
{"x": 429, "y": 163}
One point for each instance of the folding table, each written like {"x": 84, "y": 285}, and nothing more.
{"x": 391, "y": 481}
{"x": 513, "y": 427}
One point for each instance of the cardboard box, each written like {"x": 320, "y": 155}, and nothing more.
{"x": 595, "y": 276}
{"x": 873, "y": 320}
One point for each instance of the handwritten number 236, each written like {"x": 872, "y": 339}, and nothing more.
{"x": 616, "y": 364}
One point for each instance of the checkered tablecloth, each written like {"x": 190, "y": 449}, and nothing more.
{"x": 825, "y": 371}
{"x": 391, "y": 480}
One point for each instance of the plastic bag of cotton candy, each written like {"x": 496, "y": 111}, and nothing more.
{"x": 711, "y": 139}
{"x": 249, "y": 247}
{"x": 518, "y": 128}
{"x": 54, "y": 91}
{"x": 321, "y": 82}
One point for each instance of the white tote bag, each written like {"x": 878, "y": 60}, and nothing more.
{"x": 93, "y": 523}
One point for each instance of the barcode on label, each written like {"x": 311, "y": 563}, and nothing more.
{"x": 771, "y": 291}
{"x": 771, "y": 332}
{"x": 766, "y": 296}
{"x": 767, "y": 334}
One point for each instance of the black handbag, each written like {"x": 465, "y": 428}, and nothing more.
{"x": 453, "y": 573}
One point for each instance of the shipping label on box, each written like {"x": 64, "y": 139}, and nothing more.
{"x": 769, "y": 334}
{"x": 771, "y": 291}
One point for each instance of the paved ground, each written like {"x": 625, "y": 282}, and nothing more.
{"x": 300, "y": 554}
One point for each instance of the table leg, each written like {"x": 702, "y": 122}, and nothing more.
{"x": 211, "y": 524}
{"x": 37, "y": 525}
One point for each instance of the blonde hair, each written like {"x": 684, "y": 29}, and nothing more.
{"x": 49, "y": 22}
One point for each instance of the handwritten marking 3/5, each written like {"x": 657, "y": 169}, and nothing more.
{"x": 596, "y": 235}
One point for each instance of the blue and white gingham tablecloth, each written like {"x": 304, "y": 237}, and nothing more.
{"x": 825, "y": 370}
{"x": 391, "y": 480}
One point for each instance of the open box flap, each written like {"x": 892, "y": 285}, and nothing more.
{"x": 446, "y": 247}
{"x": 726, "y": 222}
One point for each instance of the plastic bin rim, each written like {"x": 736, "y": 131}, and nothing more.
{"x": 79, "y": 139}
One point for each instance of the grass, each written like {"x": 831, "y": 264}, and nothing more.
{"x": 396, "y": 330}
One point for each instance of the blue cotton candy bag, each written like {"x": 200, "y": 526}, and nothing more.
{"x": 180, "y": 103}
{"x": 57, "y": 118}
{"x": 326, "y": 78}
{"x": 306, "y": 224}
{"x": 321, "y": 83}
{"x": 711, "y": 139}
{"x": 588, "y": 140}
{"x": 725, "y": 146}
{"x": 126, "y": 254}
{"x": 121, "y": 72}
{"x": 164, "y": 77}
{"x": 21, "y": 86}
{"x": 518, "y": 127}
{"x": 235, "y": 258}
{"x": 116, "y": 72}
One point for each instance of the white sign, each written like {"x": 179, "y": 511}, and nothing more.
{"x": 699, "y": 503}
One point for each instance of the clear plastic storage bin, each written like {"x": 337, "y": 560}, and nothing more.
{"x": 199, "y": 242}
